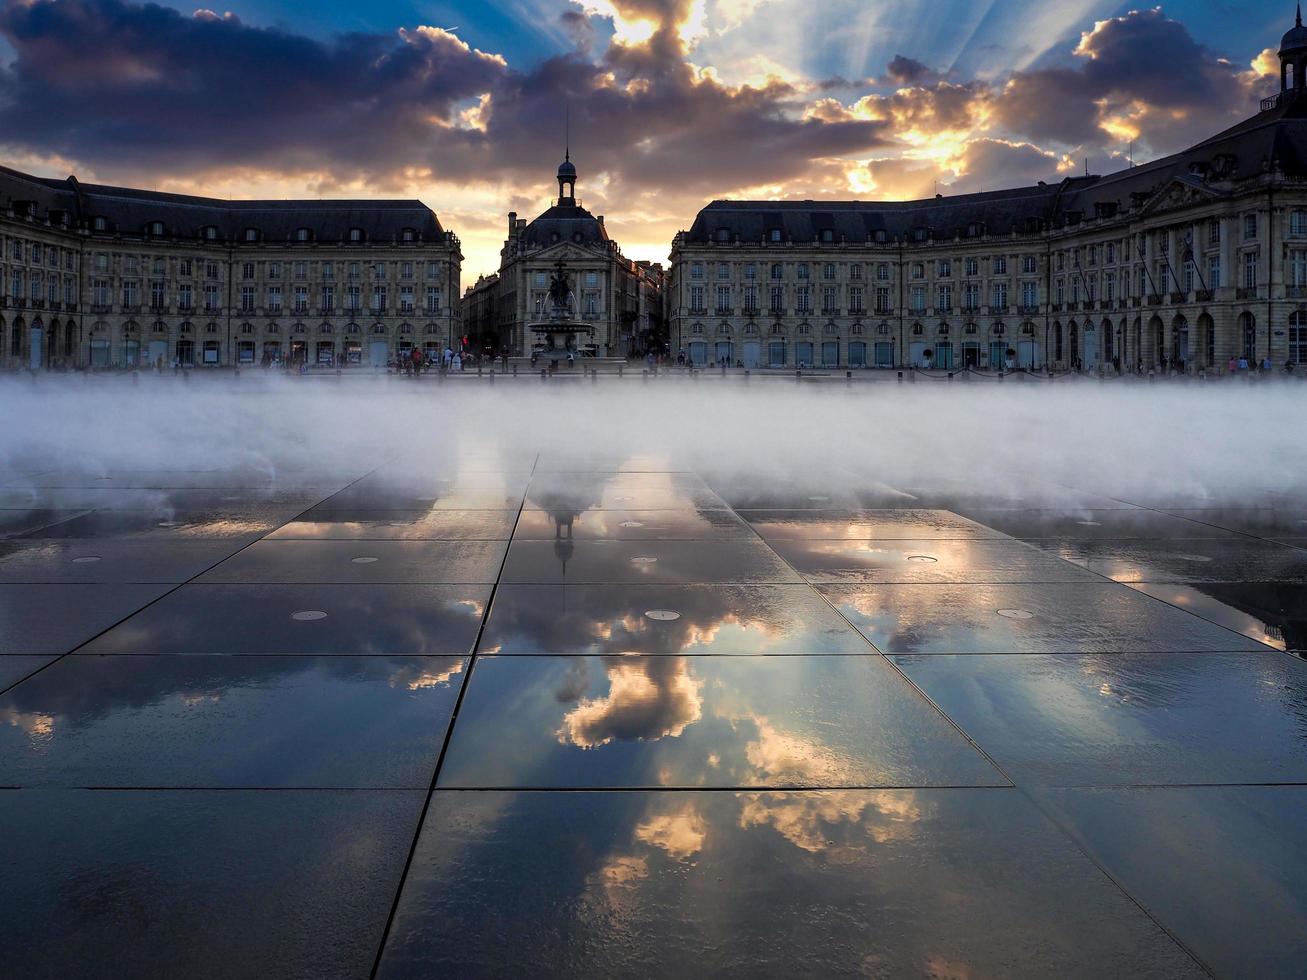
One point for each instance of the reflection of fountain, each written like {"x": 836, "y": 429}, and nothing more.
{"x": 556, "y": 337}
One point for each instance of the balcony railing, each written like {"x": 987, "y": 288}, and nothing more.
{"x": 1178, "y": 298}
{"x": 1154, "y": 300}
{"x": 1246, "y": 292}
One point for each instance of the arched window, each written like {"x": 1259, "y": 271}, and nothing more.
{"x": 883, "y": 330}
{"x": 378, "y": 328}
{"x": 970, "y": 328}
{"x": 998, "y": 330}
{"x": 353, "y": 328}
{"x": 324, "y": 328}
{"x": 918, "y": 330}
{"x": 247, "y": 328}
{"x": 943, "y": 330}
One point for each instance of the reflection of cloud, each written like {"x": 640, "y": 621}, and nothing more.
{"x": 680, "y": 834}
{"x": 648, "y": 699}
{"x": 35, "y": 723}
{"x": 624, "y": 870}
{"x": 784, "y": 757}
{"x": 804, "y": 819}
{"x": 417, "y": 676}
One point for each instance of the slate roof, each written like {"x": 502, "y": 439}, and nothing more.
{"x": 567, "y": 221}
{"x": 129, "y": 211}
{"x": 1276, "y": 137}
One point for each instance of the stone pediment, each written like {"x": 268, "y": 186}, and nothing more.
{"x": 1179, "y": 193}
{"x": 565, "y": 252}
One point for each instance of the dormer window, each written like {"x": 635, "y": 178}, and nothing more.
{"x": 210, "y": 233}
{"x": 827, "y": 235}
{"x": 921, "y": 234}
{"x": 251, "y": 234}
{"x": 303, "y": 235}
{"x": 356, "y": 234}
{"x": 774, "y": 235}
{"x": 881, "y": 236}
{"x": 155, "y": 229}
{"x": 723, "y": 234}
{"x": 98, "y": 223}
{"x": 409, "y": 235}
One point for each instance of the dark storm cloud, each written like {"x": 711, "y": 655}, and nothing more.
{"x": 147, "y": 90}
{"x": 908, "y": 71}
{"x": 1142, "y": 63}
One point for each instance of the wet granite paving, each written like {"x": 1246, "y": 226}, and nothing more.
{"x": 608, "y": 717}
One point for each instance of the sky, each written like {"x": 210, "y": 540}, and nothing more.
{"x": 672, "y": 103}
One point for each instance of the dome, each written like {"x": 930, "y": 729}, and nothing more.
{"x": 1296, "y": 39}
{"x": 568, "y": 169}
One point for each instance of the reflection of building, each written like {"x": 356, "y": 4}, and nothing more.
{"x": 616, "y": 296}
{"x": 1195, "y": 258}
{"x": 109, "y": 276}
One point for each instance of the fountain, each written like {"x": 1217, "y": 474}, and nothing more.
{"x": 556, "y": 337}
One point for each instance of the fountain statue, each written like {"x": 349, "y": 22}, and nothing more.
{"x": 556, "y": 336}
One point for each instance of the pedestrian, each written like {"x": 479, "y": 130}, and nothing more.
{"x": 417, "y": 362}
{"x": 457, "y": 361}
{"x": 1267, "y": 367}
{"x": 1243, "y": 365}
{"x": 1288, "y": 367}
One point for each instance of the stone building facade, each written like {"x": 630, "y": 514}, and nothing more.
{"x": 1185, "y": 262}
{"x": 109, "y": 277}
{"x": 618, "y": 298}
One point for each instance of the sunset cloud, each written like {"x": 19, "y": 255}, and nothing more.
{"x": 207, "y": 102}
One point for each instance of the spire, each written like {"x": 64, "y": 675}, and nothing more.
{"x": 1298, "y": 20}
{"x": 567, "y": 118}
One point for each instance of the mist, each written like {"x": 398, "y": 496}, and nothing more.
{"x": 1226, "y": 443}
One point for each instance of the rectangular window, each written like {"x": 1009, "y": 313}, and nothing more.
{"x": 855, "y": 272}
{"x": 185, "y": 297}
{"x": 184, "y": 267}
{"x": 1028, "y": 265}
{"x": 301, "y": 299}
{"x": 212, "y": 304}
{"x": 696, "y": 270}
{"x": 828, "y": 271}
{"x": 724, "y": 299}
{"x": 1250, "y": 227}
{"x": 301, "y": 270}
{"x": 247, "y": 271}
{"x": 1059, "y": 291}
{"x": 406, "y": 270}
{"x": 210, "y": 270}
{"x": 882, "y": 272}
{"x": 1029, "y": 294}
{"x": 1109, "y": 287}
{"x": 157, "y": 295}
{"x": 750, "y": 270}
{"x": 830, "y": 299}
{"x": 328, "y": 270}
{"x": 592, "y": 279}
{"x": 378, "y": 299}
{"x": 274, "y": 299}
{"x": 750, "y": 298}
{"x": 1249, "y": 270}
{"x": 131, "y": 292}
{"x": 1000, "y": 295}
{"x": 353, "y": 297}
{"x": 918, "y": 299}
{"x": 696, "y": 299}
{"x": 591, "y": 302}
{"x": 855, "y": 299}
{"x": 882, "y": 299}
{"x": 777, "y": 299}
{"x": 803, "y": 298}
{"x": 944, "y": 270}
{"x": 433, "y": 299}
{"x": 723, "y": 271}
{"x": 1297, "y": 267}
{"x": 972, "y": 267}
{"x": 944, "y": 298}
{"x": 1000, "y": 265}
{"x": 328, "y": 299}
{"x": 1214, "y": 232}
{"x": 247, "y": 299}
{"x": 971, "y": 297}
{"x": 274, "y": 270}
{"x": 1214, "y": 272}
{"x": 406, "y": 299}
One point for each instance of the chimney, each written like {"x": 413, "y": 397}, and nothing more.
{"x": 512, "y": 221}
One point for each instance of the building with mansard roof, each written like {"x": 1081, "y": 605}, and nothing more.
{"x": 619, "y": 299}
{"x": 102, "y": 277}
{"x": 1185, "y": 262}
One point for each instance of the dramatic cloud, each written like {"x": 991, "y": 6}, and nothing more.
{"x": 207, "y": 103}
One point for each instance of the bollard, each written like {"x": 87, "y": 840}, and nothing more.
{"x": 619, "y": 370}
{"x": 644, "y": 373}
{"x": 723, "y": 370}
{"x": 544, "y": 375}
{"x": 950, "y": 377}
{"x": 655, "y": 370}
{"x": 1000, "y": 377}
{"x": 594, "y": 376}
{"x": 747, "y": 376}
{"x": 848, "y": 376}
{"x": 515, "y": 370}
{"x": 1152, "y": 375}
{"x": 479, "y": 369}
{"x": 798, "y": 377}
{"x": 492, "y": 376}
{"x": 136, "y": 379}
{"x": 900, "y": 377}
